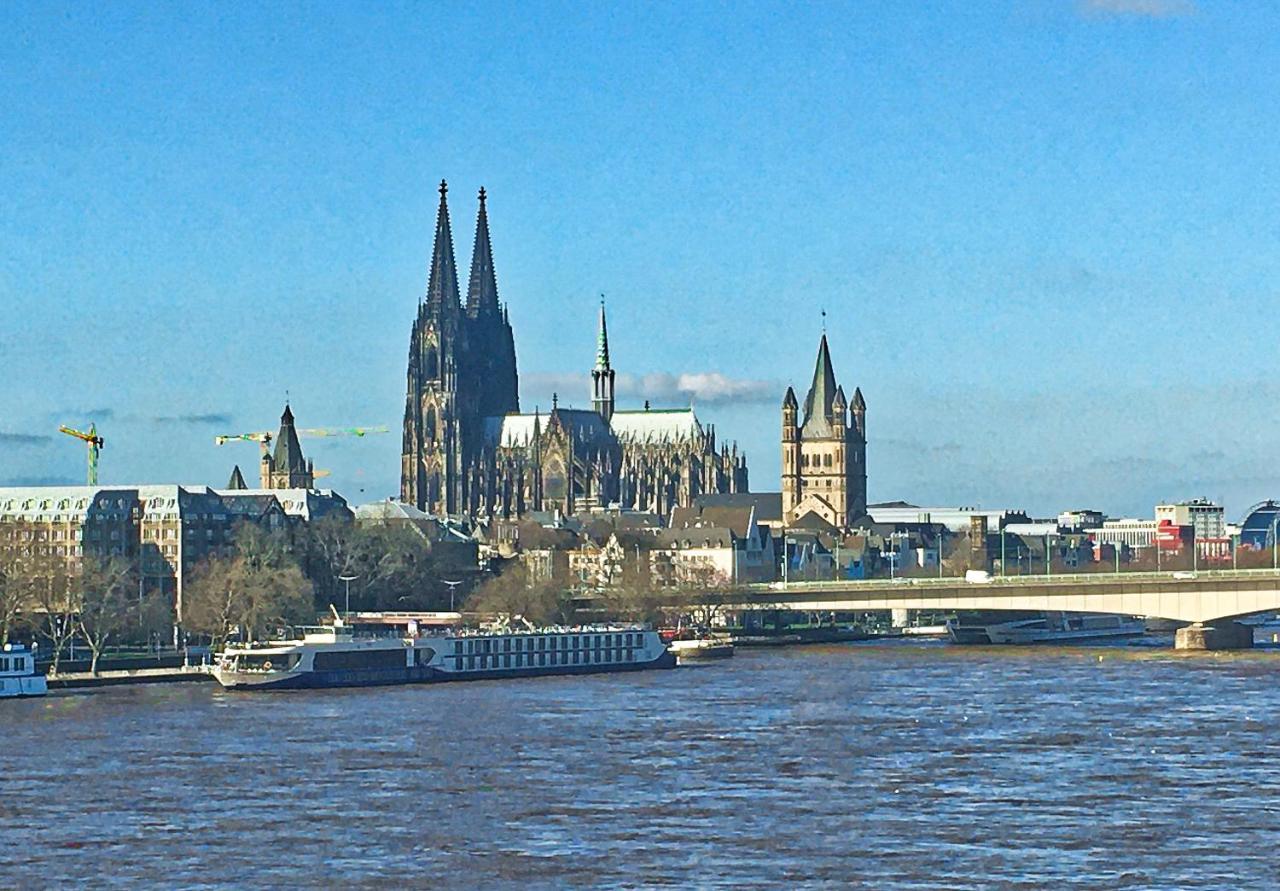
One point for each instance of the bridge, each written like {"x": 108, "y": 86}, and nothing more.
{"x": 1202, "y": 598}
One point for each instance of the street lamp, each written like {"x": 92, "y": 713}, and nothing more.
{"x": 1275, "y": 519}
{"x": 452, "y": 586}
{"x": 348, "y": 579}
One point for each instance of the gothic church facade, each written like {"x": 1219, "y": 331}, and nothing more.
{"x": 469, "y": 451}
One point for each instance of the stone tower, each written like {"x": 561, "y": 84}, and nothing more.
{"x": 824, "y": 454}
{"x": 602, "y": 375}
{"x": 285, "y": 468}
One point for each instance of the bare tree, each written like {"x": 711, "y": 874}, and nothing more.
{"x": 104, "y": 605}
{"x": 14, "y": 594}
{"x": 49, "y": 592}
{"x": 213, "y": 599}
{"x": 633, "y": 597}
{"x": 254, "y": 593}
{"x": 391, "y": 562}
{"x": 513, "y": 592}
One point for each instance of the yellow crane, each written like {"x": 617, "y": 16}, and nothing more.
{"x": 95, "y": 444}
{"x": 342, "y": 431}
{"x": 262, "y": 438}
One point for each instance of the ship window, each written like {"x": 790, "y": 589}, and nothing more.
{"x": 542, "y": 643}
{"x": 4, "y": 664}
{"x": 328, "y": 661}
{"x": 553, "y": 656}
{"x": 542, "y": 658}
{"x": 506, "y": 660}
{"x": 506, "y": 645}
{"x": 471, "y": 662}
{"x": 576, "y": 656}
{"x": 457, "y": 647}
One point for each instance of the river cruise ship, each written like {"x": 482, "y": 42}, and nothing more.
{"x": 18, "y": 675}
{"x": 996, "y": 627}
{"x": 333, "y": 656}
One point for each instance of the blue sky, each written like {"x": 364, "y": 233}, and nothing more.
{"x": 1045, "y": 233}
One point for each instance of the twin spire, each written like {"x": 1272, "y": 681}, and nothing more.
{"x": 442, "y": 285}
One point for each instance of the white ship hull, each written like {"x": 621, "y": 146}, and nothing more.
{"x": 340, "y": 660}
{"x": 1048, "y": 627}
{"x": 18, "y": 676}
{"x": 700, "y": 649}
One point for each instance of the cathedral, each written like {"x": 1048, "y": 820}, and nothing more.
{"x": 824, "y": 454}
{"x": 469, "y": 451}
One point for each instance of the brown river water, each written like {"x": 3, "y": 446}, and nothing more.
{"x": 908, "y": 765}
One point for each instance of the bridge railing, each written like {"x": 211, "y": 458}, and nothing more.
{"x": 1079, "y": 578}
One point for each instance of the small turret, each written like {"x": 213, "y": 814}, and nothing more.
{"x": 840, "y": 407}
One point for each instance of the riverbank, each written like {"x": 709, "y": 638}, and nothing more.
{"x": 70, "y": 680}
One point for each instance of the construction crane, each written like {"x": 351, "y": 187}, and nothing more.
{"x": 262, "y": 438}
{"x": 341, "y": 431}
{"x": 95, "y": 444}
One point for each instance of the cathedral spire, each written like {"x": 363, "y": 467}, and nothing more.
{"x": 442, "y": 287}
{"x": 602, "y": 341}
{"x": 602, "y": 376}
{"x": 482, "y": 291}
{"x": 823, "y": 389}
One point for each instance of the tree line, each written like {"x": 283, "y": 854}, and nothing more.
{"x": 268, "y": 578}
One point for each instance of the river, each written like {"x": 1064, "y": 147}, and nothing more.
{"x": 906, "y": 765}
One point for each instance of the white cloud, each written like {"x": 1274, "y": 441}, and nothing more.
{"x": 660, "y": 388}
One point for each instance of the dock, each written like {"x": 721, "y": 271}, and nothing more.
{"x": 83, "y": 679}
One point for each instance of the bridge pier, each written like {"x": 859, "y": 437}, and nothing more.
{"x": 1221, "y": 635}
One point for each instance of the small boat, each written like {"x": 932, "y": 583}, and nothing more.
{"x": 334, "y": 656}
{"x": 993, "y": 627}
{"x": 18, "y": 673}
{"x": 697, "y": 643}
{"x": 705, "y": 648}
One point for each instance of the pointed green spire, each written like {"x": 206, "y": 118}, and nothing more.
{"x": 602, "y": 341}
{"x": 823, "y": 389}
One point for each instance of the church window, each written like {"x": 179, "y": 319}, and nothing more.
{"x": 826, "y": 460}
{"x": 433, "y": 362}
{"x": 431, "y": 424}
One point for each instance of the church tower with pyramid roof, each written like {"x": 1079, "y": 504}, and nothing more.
{"x": 824, "y": 451}
{"x": 285, "y": 468}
